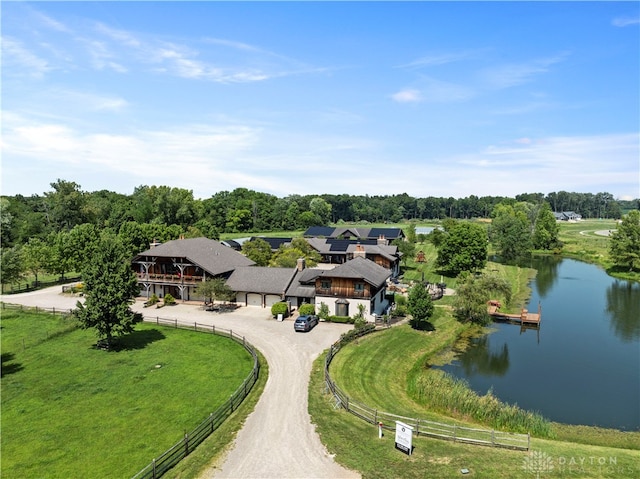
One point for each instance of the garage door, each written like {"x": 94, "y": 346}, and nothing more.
{"x": 254, "y": 299}
{"x": 271, "y": 299}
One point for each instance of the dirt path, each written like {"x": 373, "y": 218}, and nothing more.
{"x": 278, "y": 439}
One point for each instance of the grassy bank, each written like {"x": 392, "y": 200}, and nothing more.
{"x": 74, "y": 411}
{"x": 356, "y": 445}
{"x": 378, "y": 370}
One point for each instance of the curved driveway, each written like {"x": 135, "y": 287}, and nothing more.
{"x": 278, "y": 439}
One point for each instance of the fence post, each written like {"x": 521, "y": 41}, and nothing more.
{"x": 455, "y": 430}
{"x": 211, "y": 421}
{"x": 213, "y": 328}
{"x": 493, "y": 437}
{"x": 347, "y": 400}
{"x": 154, "y": 467}
{"x": 528, "y": 441}
{"x": 176, "y": 323}
{"x": 186, "y": 444}
{"x": 195, "y": 325}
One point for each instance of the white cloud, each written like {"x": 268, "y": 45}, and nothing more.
{"x": 508, "y": 75}
{"x": 14, "y": 53}
{"x": 409, "y": 95}
{"x": 625, "y": 21}
{"x": 437, "y": 59}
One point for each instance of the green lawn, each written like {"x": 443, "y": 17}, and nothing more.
{"x": 378, "y": 370}
{"x": 69, "y": 410}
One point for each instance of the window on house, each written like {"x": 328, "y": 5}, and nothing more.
{"x": 325, "y": 284}
{"x": 358, "y": 287}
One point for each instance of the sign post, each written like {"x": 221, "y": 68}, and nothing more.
{"x": 404, "y": 437}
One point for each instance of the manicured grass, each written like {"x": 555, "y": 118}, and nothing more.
{"x": 356, "y": 445}
{"x": 212, "y": 449}
{"x": 69, "y": 410}
{"x": 580, "y": 241}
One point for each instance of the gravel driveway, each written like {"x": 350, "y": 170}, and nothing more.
{"x": 278, "y": 439}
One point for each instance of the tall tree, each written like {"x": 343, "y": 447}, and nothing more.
{"x": 463, "y": 248}
{"x": 257, "y": 250}
{"x": 546, "y": 229}
{"x": 624, "y": 249}
{"x": 510, "y": 231}
{"x": 420, "y": 307}
{"x": 11, "y": 268}
{"x": 35, "y": 257}
{"x": 110, "y": 286}
{"x": 65, "y": 205}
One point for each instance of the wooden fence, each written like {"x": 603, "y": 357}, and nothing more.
{"x": 19, "y": 287}
{"x": 172, "y": 456}
{"x": 422, "y": 427}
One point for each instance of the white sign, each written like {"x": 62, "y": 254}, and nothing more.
{"x": 404, "y": 437}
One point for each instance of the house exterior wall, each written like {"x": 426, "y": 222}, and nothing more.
{"x": 374, "y": 305}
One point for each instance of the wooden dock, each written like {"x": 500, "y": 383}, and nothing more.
{"x": 524, "y": 318}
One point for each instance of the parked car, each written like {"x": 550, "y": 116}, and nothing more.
{"x": 305, "y": 322}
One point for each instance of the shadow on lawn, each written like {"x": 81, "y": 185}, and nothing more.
{"x": 134, "y": 340}
{"x": 7, "y": 366}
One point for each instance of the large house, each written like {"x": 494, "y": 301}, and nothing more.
{"x": 338, "y": 251}
{"x": 177, "y": 267}
{"x": 389, "y": 234}
{"x": 345, "y": 287}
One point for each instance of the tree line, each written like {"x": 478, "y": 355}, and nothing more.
{"x": 242, "y": 210}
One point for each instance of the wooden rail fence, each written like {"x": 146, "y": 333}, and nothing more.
{"x": 422, "y": 427}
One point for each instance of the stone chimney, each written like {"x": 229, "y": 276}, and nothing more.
{"x": 382, "y": 241}
{"x": 301, "y": 264}
{"x": 359, "y": 252}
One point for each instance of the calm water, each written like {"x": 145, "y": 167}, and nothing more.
{"x": 582, "y": 366}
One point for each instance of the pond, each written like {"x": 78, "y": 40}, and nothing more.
{"x": 582, "y": 366}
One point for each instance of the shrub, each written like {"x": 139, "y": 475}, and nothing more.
{"x": 152, "y": 300}
{"x": 340, "y": 319}
{"x": 307, "y": 309}
{"x": 280, "y": 308}
{"x": 358, "y": 318}
{"x": 324, "y": 311}
{"x": 169, "y": 300}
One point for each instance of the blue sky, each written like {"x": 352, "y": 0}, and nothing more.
{"x": 425, "y": 98}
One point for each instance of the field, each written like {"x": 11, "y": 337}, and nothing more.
{"x": 75, "y": 411}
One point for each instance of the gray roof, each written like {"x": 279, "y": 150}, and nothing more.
{"x": 303, "y": 284}
{"x": 360, "y": 268}
{"x": 389, "y": 252}
{"x": 261, "y": 279}
{"x": 210, "y": 255}
{"x": 327, "y": 246}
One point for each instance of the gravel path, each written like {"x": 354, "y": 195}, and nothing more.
{"x": 278, "y": 439}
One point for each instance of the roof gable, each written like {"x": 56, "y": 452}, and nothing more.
{"x": 212, "y": 256}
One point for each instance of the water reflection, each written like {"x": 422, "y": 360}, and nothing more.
{"x": 479, "y": 359}
{"x": 587, "y": 357}
{"x": 623, "y": 305}
{"x": 547, "y": 275}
